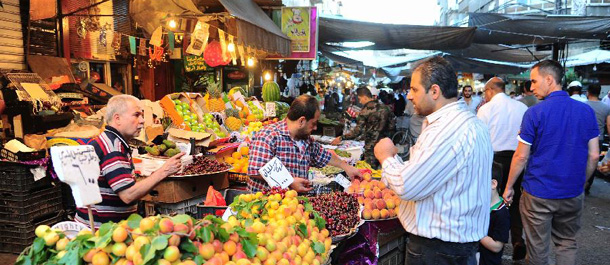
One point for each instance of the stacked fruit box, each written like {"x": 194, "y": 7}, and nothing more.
{"x": 24, "y": 204}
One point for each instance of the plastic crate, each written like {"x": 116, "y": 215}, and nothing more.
{"x": 395, "y": 257}
{"x": 25, "y": 207}
{"x": 16, "y": 236}
{"x": 22, "y": 156}
{"x": 16, "y": 177}
{"x": 185, "y": 207}
{"x": 228, "y": 194}
{"x": 331, "y": 187}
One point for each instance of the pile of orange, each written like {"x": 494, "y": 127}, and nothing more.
{"x": 239, "y": 160}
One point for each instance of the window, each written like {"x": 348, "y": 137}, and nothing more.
{"x": 97, "y": 72}
{"x": 599, "y": 1}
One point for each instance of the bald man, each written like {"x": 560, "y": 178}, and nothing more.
{"x": 503, "y": 116}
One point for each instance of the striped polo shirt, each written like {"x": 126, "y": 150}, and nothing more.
{"x": 446, "y": 185}
{"x": 117, "y": 174}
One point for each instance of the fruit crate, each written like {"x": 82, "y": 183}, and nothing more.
{"x": 228, "y": 194}
{"x": 16, "y": 236}
{"x": 185, "y": 207}
{"x": 330, "y": 187}
{"x": 240, "y": 178}
{"x": 395, "y": 257}
{"x": 16, "y": 177}
{"x": 24, "y": 207}
{"x": 22, "y": 156}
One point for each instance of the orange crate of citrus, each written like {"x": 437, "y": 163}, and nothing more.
{"x": 239, "y": 160}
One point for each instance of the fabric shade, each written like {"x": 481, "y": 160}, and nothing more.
{"x": 520, "y": 29}
{"x": 393, "y": 36}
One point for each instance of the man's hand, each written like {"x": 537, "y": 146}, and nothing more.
{"x": 604, "y": 168}
{"x": 353, "y": 173}
{"x": 385, "y": 149}
{"x": 508, "y": 195}
{"x": 336, "y": 141}
{"x": 172, "y": 165}
{"x": 301, "y": 185}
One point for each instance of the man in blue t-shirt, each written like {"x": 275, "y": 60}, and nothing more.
{"x": 558, "y": 148}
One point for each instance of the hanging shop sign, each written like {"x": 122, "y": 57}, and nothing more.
{"x": 194, "y": 63}
{"x": 300, "y": 24}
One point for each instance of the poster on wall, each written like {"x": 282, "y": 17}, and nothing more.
{"x": 300, "y": 24}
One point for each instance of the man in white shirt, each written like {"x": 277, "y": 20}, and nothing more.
{"x": 606, "y": 99}
{"x": 445, "y": 186}
{"x": 471, "y": 101}
{"x": 503, "y": 116}
{"x": 575, "y": 90}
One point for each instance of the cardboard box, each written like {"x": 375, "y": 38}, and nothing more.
{"x": 167, "y": 103}
{"x": 172, "y": 190}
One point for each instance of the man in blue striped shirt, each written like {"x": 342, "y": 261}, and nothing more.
{"x": 444, "y": 187}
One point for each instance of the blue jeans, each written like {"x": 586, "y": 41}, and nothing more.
{"x": 423, "y": 251}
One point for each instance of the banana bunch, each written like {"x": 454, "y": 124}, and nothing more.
{"x": 365, "y": 165}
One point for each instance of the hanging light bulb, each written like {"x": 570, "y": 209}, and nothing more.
{"x": 267, "y": 76}
{"x": 231, "y": 47}
{"x": 250, "y": 62}
{"x": 172, "y": 24}
{"x": 595, "y": 67}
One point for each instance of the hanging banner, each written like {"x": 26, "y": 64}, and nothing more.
{"x": 223, "y": 44}
{"x": 171, "y": 38}
{"x": 240, "y": 49}
{"x": 300, "y": 24}
{"x": 142, "y": 49}
{"x": 232, "y": 51}
{"x": 132, "y": 45}
{"x": 157, "y": 37}
{"x": 199, "y": 39}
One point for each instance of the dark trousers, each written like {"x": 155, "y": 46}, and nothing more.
{"x": 422, "y": 251}
{"x": 516, "y": 226}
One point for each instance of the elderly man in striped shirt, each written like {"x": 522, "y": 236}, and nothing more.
{"x": 445, "y": 186}
{"x": 118, "y": 186}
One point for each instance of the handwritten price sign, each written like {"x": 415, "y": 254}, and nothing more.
{"x": 276, "y": 174}
{"x": 78, "y": 166}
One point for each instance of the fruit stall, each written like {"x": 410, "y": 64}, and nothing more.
{"x": 185, "y": 217}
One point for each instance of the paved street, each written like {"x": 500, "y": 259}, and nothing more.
{"x": 594, "y": 238}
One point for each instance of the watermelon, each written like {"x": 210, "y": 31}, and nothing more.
{"x": 271, "y": 91}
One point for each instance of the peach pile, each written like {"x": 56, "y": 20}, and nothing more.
{"x": 379, "y": 201}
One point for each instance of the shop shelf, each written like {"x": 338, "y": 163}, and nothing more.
{"x": 24, "y": 207}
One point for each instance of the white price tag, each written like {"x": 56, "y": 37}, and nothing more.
{"x": 270, "y": 109}
{"x": 343, "y": 181}
{"x": 79, "y": 167}
{"x": 276, "y": 174}
{"x": 228, "y": 212}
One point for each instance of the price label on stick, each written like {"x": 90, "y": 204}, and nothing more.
{"x": 276, "y": 174}
{"x": 343, "y": 181}
{"x": 79, "y": 167}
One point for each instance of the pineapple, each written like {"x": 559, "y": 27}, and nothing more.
{"x": 232, "y": 122}
{"x": 215, "y": 102}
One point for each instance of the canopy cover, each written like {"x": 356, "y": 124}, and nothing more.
{"x": 394, "y": 36}
{"x": 519, "y": 29}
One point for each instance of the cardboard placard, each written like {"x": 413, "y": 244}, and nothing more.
{"x": 78, "y": 166}
{"x": 270, "y": 109}
{"x": 276, "y": 174}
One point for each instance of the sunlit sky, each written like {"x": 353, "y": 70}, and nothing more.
{"x": 414, "y": 12}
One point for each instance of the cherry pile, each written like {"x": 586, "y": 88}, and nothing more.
{"x": 340, "y": 210}
{"x": 275, "y": 190}
{"x": 203, "y": 165}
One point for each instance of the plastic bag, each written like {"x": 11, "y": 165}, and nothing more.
{"x": 214, "y": 198}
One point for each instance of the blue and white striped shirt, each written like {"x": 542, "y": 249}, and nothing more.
{"x": 446, "y": 185}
